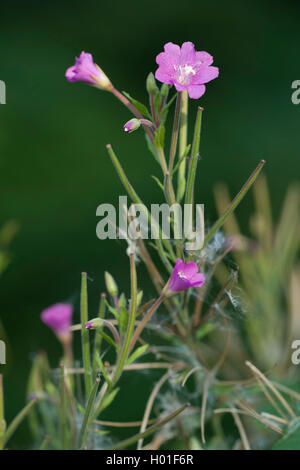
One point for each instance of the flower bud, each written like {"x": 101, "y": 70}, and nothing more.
{"x": 111, "y": 285}
{"x": 164, "y": 91}
{"x": 132, "y": 125}
{"x": 151, "y": 86}
{"x": 122, "y": 301}
{"x": 139, "y": 297}
{"x": 94, "y": 323}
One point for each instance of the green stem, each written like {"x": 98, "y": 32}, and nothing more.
{"x": 125, "y": 350}
{"x": 98, "y": 337}
{"x": 135, "y": 198}
{"x": 145, "y": 320}
{"x": 162, "y": 159}
{"x": 17, "y": 420}
{"x": 183, "y": 131}
{"x": 149, "y": 431}
{"x": 63, "y": 408}
{"x": 189, "y": 197}
{"x": 88, "y": 412}
{"x": 85, "y": 335}
{"x": 171, "y": 200}
{"x": 45, "y": 443}
{"x": 232, "y": 206}
{"x": 174, "y": 137}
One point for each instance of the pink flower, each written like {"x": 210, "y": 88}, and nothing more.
{"x": 185, "y": 276}
{"x": 185, "y": 68}
{"x": 59, "y": 318}
{"x": 85, "y": 70}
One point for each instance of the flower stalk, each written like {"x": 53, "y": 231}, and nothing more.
{"x": 125, "y": 350}
{"x": 183, "y": 132}
{"x": 85, "y": 343}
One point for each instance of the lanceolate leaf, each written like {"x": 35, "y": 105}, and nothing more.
{"x": 139, "y": 106}
{"x": 137, "y": 353}
{"x": 234, "y": 203}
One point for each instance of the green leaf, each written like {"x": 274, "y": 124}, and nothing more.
{"x": 187, "y": 149}
{"x": 100, "y": 432}
{"x": 158, "y": 182}
{"x": 291, "y": 441}
{"x": 204, "y": 330}
{"x": 123, "y": 319}
{"x": 139, "y": 106}
{"x": 88, "y": 413}
{"x": 235, "y": 202}
{"x": 151, "y": 148}
{"x": 103, "y": 371}
{"x": 17, "y": 420}
{"x": 148, "y": 431}
{"x": 113, "y": 310}
{"x": 137, "y": 353}
{"x": 157, "y": 102}
{"x": 107, "y": 338}
{"x": 159, "y": 136}
{"x": 109, "y": 399}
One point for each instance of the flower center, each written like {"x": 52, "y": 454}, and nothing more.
{"x": 182, "y": 275}
{"x": 184, "y": 73}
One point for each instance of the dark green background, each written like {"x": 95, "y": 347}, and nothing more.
{"x": 54, "y": 170}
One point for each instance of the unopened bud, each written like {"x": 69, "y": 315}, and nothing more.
{"x": 132, "y": 125}
{"x": 94, "y": 323}
{"x": 122, "y": 301}
{"x": 151, "y": 86}
{"x": 139, "y": 297}
{"x": 164, "y": 91}
{"x": 111, "y": 285}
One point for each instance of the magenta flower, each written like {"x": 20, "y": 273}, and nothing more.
{"x": 185, "y": 68}
{"x": 59, "y": 317}
{"x": 85, "y": 70}
{"x": 185, "y": 276}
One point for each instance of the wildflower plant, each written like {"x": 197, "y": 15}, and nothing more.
{"x": 189, "y": 322}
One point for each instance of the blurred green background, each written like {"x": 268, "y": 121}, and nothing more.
{"x": 54, "y": 170}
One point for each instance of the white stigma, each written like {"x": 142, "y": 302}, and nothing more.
{"x": 184, "y": 73}
{"x": 182, "y": 275}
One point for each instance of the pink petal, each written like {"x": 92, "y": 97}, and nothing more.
{"x": 205, "y": 74}
{"x": 187, "y": 54}
{"x": 172, "y": 50}
{"x": 190, "y": 269}
{"x": 70, "y": 73}
{"x": 179, "y": 87}
{"x": 195, "y": 91}
{"x": 197, "y": 280}
{"x": 203, "y": 57}
{"x": 163, "y": 76}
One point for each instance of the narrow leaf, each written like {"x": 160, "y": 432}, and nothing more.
{"x": 137, "y": 353}
{"x": 232, "y": 206}
{"x": 139, "y": 106}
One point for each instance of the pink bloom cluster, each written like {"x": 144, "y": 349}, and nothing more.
{"x": 185, "y": 68}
